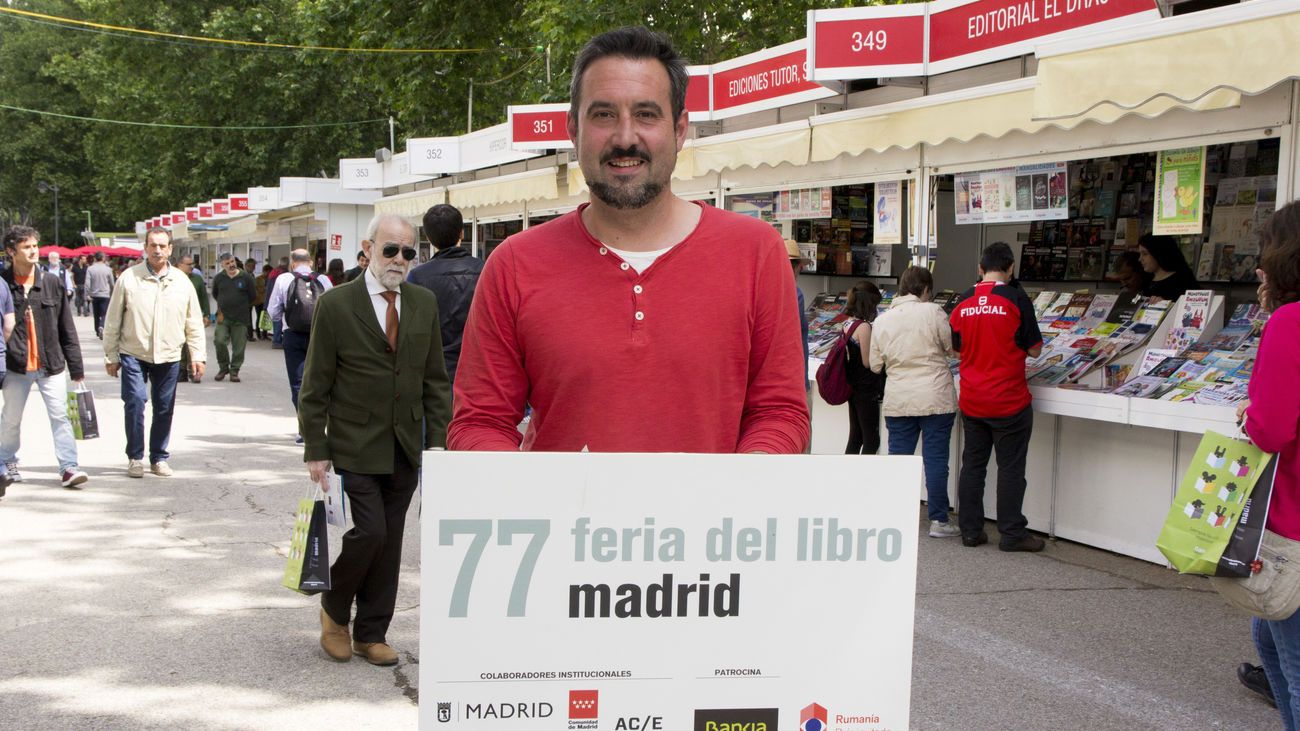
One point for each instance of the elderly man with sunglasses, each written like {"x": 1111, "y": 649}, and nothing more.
{"x": 375, "y": 394}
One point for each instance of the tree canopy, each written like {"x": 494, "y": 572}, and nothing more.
{"x": 124, "y": 172}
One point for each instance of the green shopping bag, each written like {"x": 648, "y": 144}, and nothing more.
{"x": 264, "y": 322}
{"x": 1213, "y": 507}
{"x": 308, "y": 569}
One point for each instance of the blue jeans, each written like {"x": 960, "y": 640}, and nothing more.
{"x": 295, "y": 356}
{"x": 277, "y": 331}
{"x": 54, "y": 390}
{"x": 934, "y": 431}
{"x": 161, "y": 378}
{"x": 1278, "y": 645}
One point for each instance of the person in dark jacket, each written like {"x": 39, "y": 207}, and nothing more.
{"x": 452, "y": 274}
{"x": 362, "y": 262}
{"x": 37, "y": 352}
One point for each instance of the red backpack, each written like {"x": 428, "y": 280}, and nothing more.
{"x": 833, "y": 376}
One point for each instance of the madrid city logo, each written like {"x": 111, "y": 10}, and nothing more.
{"x": 444, "y": 712}
{"x": 813, "y": 718}
{"x": 584, "y": 709}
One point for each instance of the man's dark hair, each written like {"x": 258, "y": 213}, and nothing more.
{"x": 633, "y": 42}
{"x": 443, "y": 226}
{"x": 363, "y": 252}
{"x": 915, "y": 281}
{"x": 99, "y": 256}
{"x": 18, "y": 234}
{"x": 997, "y": 257}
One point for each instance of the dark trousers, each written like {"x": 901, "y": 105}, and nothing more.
{"x": 295, "y": 356}
{"x": 99, "y": 305}
{"x": 864, "y": 424}
{"x": 1009, "y": 436}
{"x": 371, "y": 557}
{"x": 161, "y": 377}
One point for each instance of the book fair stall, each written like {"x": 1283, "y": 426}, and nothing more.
{"x": 917, "y": 134}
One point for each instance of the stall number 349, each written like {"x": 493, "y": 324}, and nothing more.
{"x": 870, "y": 41}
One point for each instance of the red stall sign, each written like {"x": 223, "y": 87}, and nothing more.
{"x": 539, "y": 127}
{"x": 767, "y": 79}
{"x": 166, "y": 220}
{"x": 867, "y": 43}
{"x": 970, "y": 32}
{"x": 220, "y": 207}
{"x": 178, "y": 217}
{"x": 192, "y": 213}
{"x": 238, "y": 202}
{"x": 698, "y": 85}
{"x": 205, "y": 210}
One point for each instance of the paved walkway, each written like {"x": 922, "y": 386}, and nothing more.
{"x": 156, "y": 603}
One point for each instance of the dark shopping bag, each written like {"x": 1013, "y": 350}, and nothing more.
{"x": 308, "y": 569}
{"x": 1213, "y": 527}
{"x": 81, "y": 412}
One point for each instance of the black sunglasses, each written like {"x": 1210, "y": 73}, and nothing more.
{"x": 390, "y": 252}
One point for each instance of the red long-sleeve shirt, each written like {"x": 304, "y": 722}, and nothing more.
{"x": 701, "y": 353}
{"x": 1273, "y": 417}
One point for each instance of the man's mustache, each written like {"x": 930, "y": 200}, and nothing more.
{"x": 625, "y": 152}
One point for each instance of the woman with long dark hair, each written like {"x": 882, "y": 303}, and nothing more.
{"x": 1272, "y": 416}
{"x": 868, "y": 387}
{"x": 1170, "y": 273}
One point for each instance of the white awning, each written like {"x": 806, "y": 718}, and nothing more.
{"x": 992, "y": 110}
{"x": 1189, "y": 59}
{"x": 412, "y": 204}
{"x": 771, "y": 145}
{"x": 527, "y": 186}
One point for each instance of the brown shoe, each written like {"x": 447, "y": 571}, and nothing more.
{"x": 234, "y": 376}
{"x": 375, "y": 653}
{"x": 334, "y": 638}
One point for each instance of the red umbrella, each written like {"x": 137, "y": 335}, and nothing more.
{"x": 61, "y": 251}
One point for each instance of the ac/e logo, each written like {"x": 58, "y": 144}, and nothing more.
{"x": 637, "y": 723}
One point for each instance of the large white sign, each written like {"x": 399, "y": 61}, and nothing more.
{"x": 621, "y": 591}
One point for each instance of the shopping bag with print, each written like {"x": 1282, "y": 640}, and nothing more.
{"x": 308, "y": 569}
{"x": 336, "y": 503}
{"x": 264, "y": 322}
{"x": 81, "y": 412}
{"x": 1211, "y": 529}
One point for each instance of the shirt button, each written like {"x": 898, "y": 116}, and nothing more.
{"x": 637, "y": 289}
{"x": 603, "y": 251}
{"x": 624, "y": 266}
{"x": 640, "y": 315}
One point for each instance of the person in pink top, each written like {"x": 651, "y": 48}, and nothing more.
{"x": 641, "y": 322}
{"x": 1272, "y": 416}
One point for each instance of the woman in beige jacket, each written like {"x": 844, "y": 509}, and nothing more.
{"x": 911, "y": 342}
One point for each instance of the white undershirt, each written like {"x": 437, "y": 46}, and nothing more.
{"x": 379, "y": 303}
{"x": 639, "y": 260}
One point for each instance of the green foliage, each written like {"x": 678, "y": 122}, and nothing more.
{"x": 124, "y": 173}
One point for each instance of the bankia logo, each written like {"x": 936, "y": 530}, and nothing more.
{"x": 736, "y": 719}
{"x": 813, "y": 718}
{"x": 444, "y": 712}
{"x": 584, "y": 709}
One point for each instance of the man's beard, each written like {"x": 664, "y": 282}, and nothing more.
{"x": 624, "y": 197}
{"x": 628, "y": 196}
{"x": 390, "y": 280}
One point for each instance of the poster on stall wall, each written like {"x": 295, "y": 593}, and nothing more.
{"x": 889, "y": 211}
{"x": 803, "y": 203}
{"x": 1180, "y": 191}
{"x": 1008, "y": 195}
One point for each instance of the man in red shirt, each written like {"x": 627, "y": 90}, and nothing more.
{"x": 993, "y": 327}
{"x": 641, "y": 322}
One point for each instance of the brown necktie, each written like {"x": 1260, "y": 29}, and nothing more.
{"x": 390, "y": 325}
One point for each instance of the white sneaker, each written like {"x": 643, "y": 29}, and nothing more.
{"x": 135, "y": 468}
{"x": 943, "y": 530}
{"x": 161, "y": 468}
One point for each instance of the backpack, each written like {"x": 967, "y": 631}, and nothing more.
{"x": 300, "y": 302}
{"x": 832, "y": 376}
